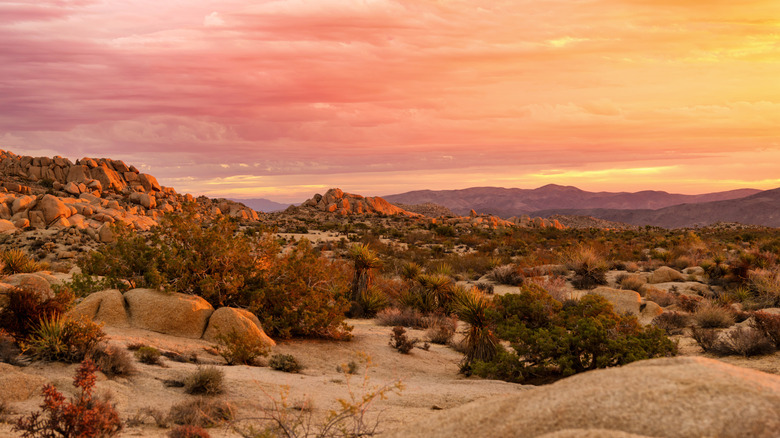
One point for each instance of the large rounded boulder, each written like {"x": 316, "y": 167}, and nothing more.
{"x": 106, "y": 306}
{"x": 228, "y": 319}
{"x": 669, "y": 397}
{"x": 169, "y": 313}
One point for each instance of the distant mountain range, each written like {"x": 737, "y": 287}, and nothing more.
{"x": 514, "y": 202}
{"x": 263, "y": 205}
{"x": 762, "y": 208}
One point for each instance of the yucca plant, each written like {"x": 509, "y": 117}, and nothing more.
{"x": 439, "y": 289}
{"x": 480, "y": 342}
{"x": 365, "y": 262}
{"x": 410, "y": 271}
{"x": 16, "y": 261}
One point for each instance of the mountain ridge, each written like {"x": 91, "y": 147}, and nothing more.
{"x": 507, "y": 202}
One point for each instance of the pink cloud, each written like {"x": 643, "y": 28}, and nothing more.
{"x": 339, "y": 86}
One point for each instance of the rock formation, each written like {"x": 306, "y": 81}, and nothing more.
{"x": 336, "y": 201}
{"x": 677, "y": 397}
{"x": 89, "y": 195}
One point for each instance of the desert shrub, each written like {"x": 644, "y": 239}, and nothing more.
{"x": 201, "y": 412}
{"x": 26, "y": 307}
{"x": 507, "y": 274}
{"x": 765, "y": 287}
{"x": 769, "y": 324}
{"x": 285, "y": 362}
{"x": 205, "y": 381}
{"x": 148, "y": 355}
{"x": 472, "y": 307}
{"x": 506, "y": 366}
{"x": 440, "y": 329}
{"x": 710, "y": 315}
{"x": 745, "y": 341}
{"x": 486, "y": 288}
{"x": 688, "y": 303}
{"x": 304, "y": 294}
{"x": 189, "y": 357}
{"x": 112, "y": 360}
{"x": 533, "y": 307}
{"x": 62, "y": 339}
{"x": 83, "y": 416}
{"x": 238, "y": 349}
{"x": 672, "y": 323}
{"x": 555, "y": 286}
{"x": 632, "y": 282}
{"x": 401, "y": 342}
{"x": 187, "y": 431}
{"x": 406, "y": 317}
{"x": 82, "y": 284}
{"x": 350, "y": 367}
{"x": 198, "y": 256}
{"x": 706, "y": 338}
{"x": 553, "y": 341}
{"x": 589, "y": 267}
{"x": 16, "y": 261}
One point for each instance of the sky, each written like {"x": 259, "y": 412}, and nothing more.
{"x": 283, "y": 99}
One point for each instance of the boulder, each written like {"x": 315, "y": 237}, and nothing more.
{"x": 108, "y": 178}
{"x": 149, "y": 182}
{"x": 78, "y": 174}
{"x": 53, "y": 208}
{"x": 107, "y": 306}
{"x": 7, "y": 227}
{"x": 623, "y": 301}
{"x": 33, "y": 282}
{"x": 169, "y": 313}
{"x": 227, "y": 319}
{"x": 669, "y": 397}
{"x": 18, "y": 386}
{"x": 650, "y": 310}
{"x": 665, "y": 274}
{"x": 105, "y": 233}
{"x": 22, "y": 203}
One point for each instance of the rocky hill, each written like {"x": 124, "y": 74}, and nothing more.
{"x": 69, "y": 201}
{"x": 762, "y": 209}
{"x": 514, "y": 202}
{"x": 345, "y": 204}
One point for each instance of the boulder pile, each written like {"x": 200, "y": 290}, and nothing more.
{"x": 90, "y": 194}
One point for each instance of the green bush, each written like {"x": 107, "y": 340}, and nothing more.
{"x": 285, "y": 362}
{"x": 304, "y": 294}
{"x": 554, "y": 340}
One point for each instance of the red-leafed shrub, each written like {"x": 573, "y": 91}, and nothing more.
{"x": 83, "y": 416}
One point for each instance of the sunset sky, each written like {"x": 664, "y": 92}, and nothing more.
{"x": 282, "y": 99}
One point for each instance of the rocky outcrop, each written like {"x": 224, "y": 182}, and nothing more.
{"x": 227, "y": 319}
{"x": 18, "y": 386}
{"x": 671, "y": 397}
{"x": 345, "y": 204}
{"x": 623, "y": 301}
{"x": 665, "y": 274}
{"x": 55, "y": 193}
{"x": 174, "y": 314}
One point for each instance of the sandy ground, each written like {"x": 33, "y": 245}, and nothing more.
{"x": 430, "y": 379}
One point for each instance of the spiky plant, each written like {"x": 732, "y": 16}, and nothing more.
{"x": 410, "y": 271}
{"x": 16, "y": 261}
{"x": 365, "y": 262}
{"x": 439, "y": 289}
{"x": 480, "y": 342}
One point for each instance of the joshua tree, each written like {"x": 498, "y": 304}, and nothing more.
{"x": 365, "y": 261}
{"x": 471, "y": 307}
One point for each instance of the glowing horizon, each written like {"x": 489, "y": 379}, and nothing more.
{"x": 282, "y": 99}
